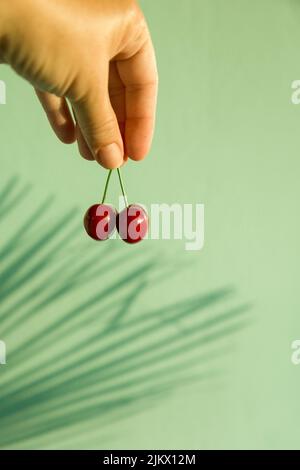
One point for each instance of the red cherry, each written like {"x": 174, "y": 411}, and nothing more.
{"x": 132, "y": 223}
{"x": 100, "y": 221}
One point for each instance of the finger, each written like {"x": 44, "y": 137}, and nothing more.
{"x": 99, "y": 126}
{"x": 59, "y": 116}
{"x": 82, "y": 145}
{"x": 117, "y": 97}
{"x": 139, "y": 75}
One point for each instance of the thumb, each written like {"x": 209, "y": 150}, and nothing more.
{"x": 99, "y": 126}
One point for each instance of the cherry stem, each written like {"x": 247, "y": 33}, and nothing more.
{"x": 106, "y": 186}
{"x": 122, "y": 187}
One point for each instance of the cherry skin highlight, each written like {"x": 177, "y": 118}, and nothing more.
{"x": 100, "y": 221}
{"x": 132, "y": 224}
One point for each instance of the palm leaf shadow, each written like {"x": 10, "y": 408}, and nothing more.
{"x": 119, "y": 362}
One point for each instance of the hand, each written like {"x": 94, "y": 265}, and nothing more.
{"x": 98, "y": 56}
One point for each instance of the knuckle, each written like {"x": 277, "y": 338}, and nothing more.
{"x": 104, "y": 128}
{"x": 149, "y": 85}
{"x": 135, "y": 31}
{"x": 140, "y": 28}
{"x": 133, "y": 10}
{"x": 100, "y": 133}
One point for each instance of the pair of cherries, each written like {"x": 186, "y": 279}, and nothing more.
{"x": 101, "y": 220}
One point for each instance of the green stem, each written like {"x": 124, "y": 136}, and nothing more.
{"x": 122, "y": 187}
{"x": 106, "y": 186}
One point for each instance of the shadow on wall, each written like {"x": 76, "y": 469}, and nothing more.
{"x": 78, "y": 352}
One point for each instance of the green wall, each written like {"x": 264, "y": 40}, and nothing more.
{"x": 113, "y": 346}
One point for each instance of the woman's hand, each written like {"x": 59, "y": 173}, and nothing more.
{"x": 98, "y": 55}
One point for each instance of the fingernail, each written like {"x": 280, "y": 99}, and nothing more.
{"x": 110, "y": 156}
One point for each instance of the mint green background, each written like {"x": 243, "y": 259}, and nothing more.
{"x": 227, "y": 135}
